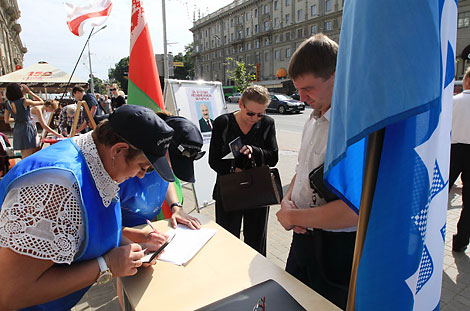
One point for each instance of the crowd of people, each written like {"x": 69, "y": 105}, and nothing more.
{"x": 68, "y": 222}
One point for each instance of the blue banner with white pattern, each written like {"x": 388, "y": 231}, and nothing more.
{"x": 395, "y": 70}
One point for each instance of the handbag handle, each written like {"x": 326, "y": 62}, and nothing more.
{"x": 253, "y": 163}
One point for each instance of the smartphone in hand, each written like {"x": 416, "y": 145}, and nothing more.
{"x": 151, "y": 256}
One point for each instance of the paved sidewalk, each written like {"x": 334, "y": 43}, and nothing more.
{"x": 456, "y": 277}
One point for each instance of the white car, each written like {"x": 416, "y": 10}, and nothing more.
{"x": 234, "y": 97}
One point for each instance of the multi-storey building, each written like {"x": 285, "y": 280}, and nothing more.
{"x": 11, "y": 47}
{"x": 462, "y": 53}
{"x": 264, "y": 33}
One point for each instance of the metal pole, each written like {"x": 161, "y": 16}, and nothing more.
{"x": 373, "y": 155}
{"x": 165, "y": 54}
{"x": 92, "y": 84}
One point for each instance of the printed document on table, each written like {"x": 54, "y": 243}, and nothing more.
{"x": 186, "y": 244}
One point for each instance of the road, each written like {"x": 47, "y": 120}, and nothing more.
{"x": 284, "y": 122}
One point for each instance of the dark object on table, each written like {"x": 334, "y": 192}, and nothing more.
{"x": 277, "y": 299}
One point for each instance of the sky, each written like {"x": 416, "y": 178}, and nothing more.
{"x": 47, "y": 37}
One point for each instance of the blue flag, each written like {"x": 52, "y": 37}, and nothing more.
{"x": 395, "y": 71}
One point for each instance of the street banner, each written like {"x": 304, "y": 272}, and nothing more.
{"x": 395, "y": 71}
{"x": 144, "y": 84}
{"x": 96, "y": 13}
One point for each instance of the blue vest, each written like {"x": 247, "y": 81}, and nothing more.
{"x": 142, "y": 198}
{"x": 102, "y": 225}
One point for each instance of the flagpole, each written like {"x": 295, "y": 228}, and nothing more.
{"x": 165, "y": 54}
{"x": 76, "y": 64}
{"x": 373, "y": 155}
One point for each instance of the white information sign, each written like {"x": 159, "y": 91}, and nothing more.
{"x": 201, "y": 102}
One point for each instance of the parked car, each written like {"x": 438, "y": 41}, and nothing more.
{"x": 234, "y": 97}
{"x": 283, "y": 104}
{"x": 296, "y": 95}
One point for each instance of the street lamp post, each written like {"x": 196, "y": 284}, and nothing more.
{"x": 165, "y": 55}
{"x": 92, "y": 83}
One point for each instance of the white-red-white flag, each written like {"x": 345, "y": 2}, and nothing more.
{"x": 96, "y": 13}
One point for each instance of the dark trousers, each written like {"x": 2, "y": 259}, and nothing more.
{"x": 255, "y": 224}
{"x": 460, "y": 164}
{"x": 322, "y": 260}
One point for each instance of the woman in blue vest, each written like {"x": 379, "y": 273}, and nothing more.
{"x": 142, "y": 198}
{"x": 60, "y": 220}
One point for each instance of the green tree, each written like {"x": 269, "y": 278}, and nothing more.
{"x": 120, "y": 73}
{"x": 240, "y": 74}
{"x": 186, "y": 72}
{"x": 98, "y": 84}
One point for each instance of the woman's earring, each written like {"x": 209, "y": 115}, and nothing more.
{"x": 113, "y": 162}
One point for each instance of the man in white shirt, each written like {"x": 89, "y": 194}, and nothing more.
{"x": 324, "y": 233}
{"x": 460, "y": 159}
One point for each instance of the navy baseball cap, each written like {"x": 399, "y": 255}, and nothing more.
{"x": 185, "y": 147}
{"x": 143, "y": 129}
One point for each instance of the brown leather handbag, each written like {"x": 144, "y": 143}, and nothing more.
{"x": 255, "y": 187}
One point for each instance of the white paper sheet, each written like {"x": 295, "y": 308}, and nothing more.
{"x": 186, "y": 244}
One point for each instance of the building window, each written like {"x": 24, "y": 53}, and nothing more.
{"x": 287, "y": 2}
{"x": 248, "y": 16}
{"x": 256, "y": 12}
{"x": 328, "y": 25}
{"x": 266, "y": 26}
{"x": 231, "y": 22}
{"x": 206, "y": 33}
{"x": 266, "y": 56}
{"x": 299, "y": 33}
{"x": 266, "y": 9}
{"x": 240, "y": 34}
{"x": 240, "y": 48}
{"x": 277, "y": 54}
{"x": 248, "y": 59}
{"x": 276, "y": 39}
{"x": 299, "y": 15}
{"x": 256, "y": 29}
{"x": 275, "y": 5}
{"x": 248, "y": 31}
{"x": 248, "y": 46}
{"x": 313, "y": 10}
{"x": 276, "y": 23}
{"x": 314, "y": 29}
{"x": 239, "y": 19}
{"x": 231, "y": 36}
{"x": 197, "y": 48}
{"x": 266, "y": 42}
{"x": 287, "y": 19}
{"x": 256, "y": 44}
{"x": 288, "y": 52}
{"x": 328, "y": 5}
{"x": 288, "y": 36}
{"x": 464, "y": 20}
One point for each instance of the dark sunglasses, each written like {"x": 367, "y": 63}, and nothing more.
{"x": 113, "y": 89}
{"x": 252, "y": 114}
{"x": 191, "y": 153}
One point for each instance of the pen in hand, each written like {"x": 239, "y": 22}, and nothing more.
{"x": 151, "y": 226}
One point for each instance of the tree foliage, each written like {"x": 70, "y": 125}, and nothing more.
{"x": 186, "y": 72}
{"x": 240, "y": 74}
{"x": 120, "y": 73}
{"x": 98, "y": 85}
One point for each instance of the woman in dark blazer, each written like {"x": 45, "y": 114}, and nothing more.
{"x": 258, "y": 136}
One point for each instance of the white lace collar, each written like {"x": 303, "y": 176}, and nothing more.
{"x": 107, "y": 187}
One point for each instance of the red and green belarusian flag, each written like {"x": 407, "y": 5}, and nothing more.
{"x": 144, "y": 84}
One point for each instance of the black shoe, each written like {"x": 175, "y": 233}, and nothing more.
{"x": 456, "y": 246}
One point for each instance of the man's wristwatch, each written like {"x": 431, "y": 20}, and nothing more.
{"x": 105, "y": 274}
{"x": 175, "y": 204}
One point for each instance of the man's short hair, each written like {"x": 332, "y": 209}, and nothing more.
{"x": 256, "y": 93}
{"x": 467, "y": 74}
{"x": 78, "y": 89}
{"x": 316, "y": 55}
